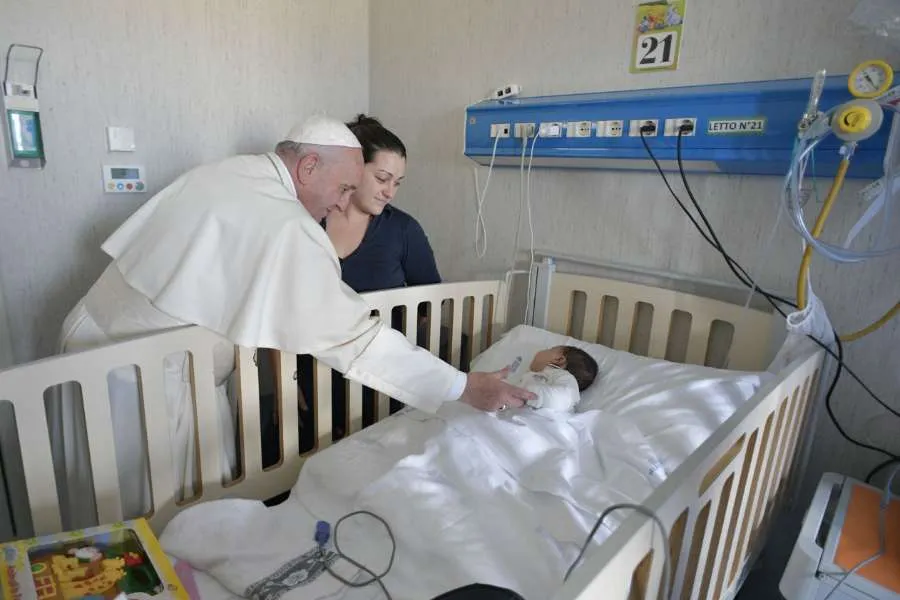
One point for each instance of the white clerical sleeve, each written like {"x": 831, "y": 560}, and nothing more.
{"x": 392, "y": 365}
{"x": 228, "y": 247}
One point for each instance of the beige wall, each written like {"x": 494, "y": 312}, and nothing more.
{"x": 430, "y": 59}
{"x": 197, "y": 80}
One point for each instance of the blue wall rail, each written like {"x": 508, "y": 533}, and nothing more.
{"x": 740, "y": 129}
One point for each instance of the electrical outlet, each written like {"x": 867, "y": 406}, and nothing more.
{"x": 499, "y": 130}
{"x": 525, "y": 130}
{"x": 550, "y": 130}
{"x": 583, "y": 129}
{"x": 613, "y": 128}
{"x": 674, "y": 125}
{"x": 651, "y": 125}
{"x": 507, "y": 91}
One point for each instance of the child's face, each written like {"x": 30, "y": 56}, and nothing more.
{"x": 551, "y": 356}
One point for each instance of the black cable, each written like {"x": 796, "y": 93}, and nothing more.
{"x": 710, "y": 238}
{"x": 768, "y": 296}
{"x": 828, "y": 406}
{"x": 737, "y": 269}
{"x": 881, "y": 467}
{"x": 375, "y": 577}
{"x": 666, "y": 574}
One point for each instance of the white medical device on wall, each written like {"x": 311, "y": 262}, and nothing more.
{"x": 123, "y": 179}
{"x": 21, "y": 111}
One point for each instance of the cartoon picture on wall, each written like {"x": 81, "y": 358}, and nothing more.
{"x": 657, "y": 36}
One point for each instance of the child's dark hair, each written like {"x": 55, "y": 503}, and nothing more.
{"x": 373, "y": 136}
{"x": 582, "y": 365}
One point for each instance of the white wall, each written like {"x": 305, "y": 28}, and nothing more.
{"x": 430, "y": 59}
{"x": 197, "y": 79}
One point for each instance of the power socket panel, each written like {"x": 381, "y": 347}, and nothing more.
{"x": 612, "y": 129}
{"x": 550, "y": 129}
{"x": 673, "y": 125}
{"x": 500, "y": 130}
{"x": 634, "y": 127}
{"x": 524, "y": 130}
{"x": 583, "y": 129}
{"x": 579, "y": 129}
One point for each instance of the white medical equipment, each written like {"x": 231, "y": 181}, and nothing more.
{"x": 852, "y": 122}
{"x": 21, "y": 115}
{"x": 841, "y": 531}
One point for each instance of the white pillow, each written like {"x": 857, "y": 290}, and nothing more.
{"x": 676, "y": 406}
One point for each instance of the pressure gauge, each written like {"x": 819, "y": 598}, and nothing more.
{"x": 871, "y": 79}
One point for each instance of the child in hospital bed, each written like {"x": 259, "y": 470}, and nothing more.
{"x": 557, "y": 375}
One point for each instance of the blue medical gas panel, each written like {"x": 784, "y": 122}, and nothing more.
{"x": 746, "y": 129}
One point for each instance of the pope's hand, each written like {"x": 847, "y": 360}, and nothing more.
{"x": 488, "y": 392}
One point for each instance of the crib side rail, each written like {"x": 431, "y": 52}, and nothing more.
{"x": 659, "y": 323}
{"x": 466, "y": 317}
{"x": 716, "y": 506}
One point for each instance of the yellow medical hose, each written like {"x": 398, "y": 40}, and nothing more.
{"x": 803, "y": 275}
{"x": 817, "y": 231}
{"x": 852, "y": 337}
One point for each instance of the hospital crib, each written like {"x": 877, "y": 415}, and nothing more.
{"x": 717, "y": 506}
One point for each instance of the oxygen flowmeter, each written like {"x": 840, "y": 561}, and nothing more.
{"x": 21, "y": 112}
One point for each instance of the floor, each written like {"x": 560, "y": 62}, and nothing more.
{"x": 762, "y": 582}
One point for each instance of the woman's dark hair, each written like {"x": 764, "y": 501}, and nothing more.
{"x": 374, "y": 137}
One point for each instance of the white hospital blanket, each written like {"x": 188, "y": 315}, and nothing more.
{"x": 471, "y": 497}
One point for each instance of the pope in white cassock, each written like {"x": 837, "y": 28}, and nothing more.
{"x": 228, "y": 247}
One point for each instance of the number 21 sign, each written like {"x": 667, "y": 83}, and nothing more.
{"x": 657, "y": 36}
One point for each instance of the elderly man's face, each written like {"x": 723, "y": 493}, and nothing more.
{"x": 330, "y": 184}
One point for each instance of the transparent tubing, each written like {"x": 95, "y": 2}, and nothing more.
{"x": 794, "y": 209}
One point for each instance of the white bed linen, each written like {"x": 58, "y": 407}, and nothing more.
{"x": 471, "y": 497}
{"x": 501, "y": 499}
{"x": 675, "y": 406}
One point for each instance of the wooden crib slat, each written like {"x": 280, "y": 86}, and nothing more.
{"x": 659, "y": 333}
{"x": 322, "y": 401}
{"x": 719, "y": 568}
{"x": 456, "y": 336}
{"x": 560, "y": 298}
{"x": 698, "y": 341}
{"x": 720, "y": 496}
{"x": 250, "y": 443}
{"x": 593, "y": 308}
{"x": 384, "y": 405}
{"x": 37, "y": 463}
{"x": 208, "y": 428}
{"x": 159, "y": 443}
{"x": 412, "y": 323}
{"x": 289, "y": 404}
{"x": 434, "y": 329}
{"x": 478, "y": 326}
{"x": 624, "y": 325}
{"x": 99, "y": 425}
{"x": 355, "y": 410}
{"x": 654, "y": 581}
